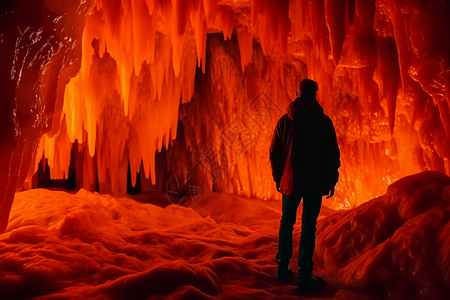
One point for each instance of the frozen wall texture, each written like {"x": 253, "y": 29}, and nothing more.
{"x": 39, "y": 53}
{"x": 204, "y": 82}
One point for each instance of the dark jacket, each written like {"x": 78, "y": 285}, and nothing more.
{"x": 304, "y": 153}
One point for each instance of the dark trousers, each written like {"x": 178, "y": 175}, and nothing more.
{"x": 311, "y": 209}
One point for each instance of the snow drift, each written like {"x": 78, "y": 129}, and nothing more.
{"x": 62, "y": 245}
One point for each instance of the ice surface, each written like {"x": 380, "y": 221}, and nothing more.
{"x": 97, "y": 246}
{"x": 62, "y": 245}
{"x": 394, "y": 246}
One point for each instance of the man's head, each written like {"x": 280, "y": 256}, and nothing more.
{"x": 307, "y": 88}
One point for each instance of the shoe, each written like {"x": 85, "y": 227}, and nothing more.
{"x": 308, "y": 282}
{"x": 283, "y": 273}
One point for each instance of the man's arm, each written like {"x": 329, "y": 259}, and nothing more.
{"x": 276, "y": 155}
{"x": 332, "y": 157}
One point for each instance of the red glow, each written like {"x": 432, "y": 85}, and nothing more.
{"x": 360, "y": 66}
{"x": 88, "y": 245}
{"x": 384, "y": 86}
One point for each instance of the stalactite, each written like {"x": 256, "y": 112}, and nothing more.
{"x": 152, "y": 64}
{"x": 335, "y": 14}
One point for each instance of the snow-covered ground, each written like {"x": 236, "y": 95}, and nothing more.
{"x": 62, "y": 245}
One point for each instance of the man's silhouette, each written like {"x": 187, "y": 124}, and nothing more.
{"x": 304, "y": 155}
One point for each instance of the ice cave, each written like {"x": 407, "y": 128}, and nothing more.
{"x": 135, "y": 134}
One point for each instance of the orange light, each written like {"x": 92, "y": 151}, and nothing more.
{"x": 139, "y": 62}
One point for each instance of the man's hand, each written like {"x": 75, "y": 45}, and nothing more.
{"x": 331, "y": 192}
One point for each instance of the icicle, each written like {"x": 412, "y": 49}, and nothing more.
{"x": 199, "y": 23}
{"x": 390, "y": 75}
{"x": 123, "y": 105}
{"x": 227, "y": 20}
{"x": 143, "y": 34}
{"x": 245, "y": 40}
{"x": 351, "y": 10}
{"x": 274, "y": 24}
{"x": 403, "y": 50}
{"x": 335, "y": 17}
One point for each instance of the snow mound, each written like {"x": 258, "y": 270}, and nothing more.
{"x": 61, "y": 245}
{"x": 397, "y": 245}
{"x": 86, "y": 245}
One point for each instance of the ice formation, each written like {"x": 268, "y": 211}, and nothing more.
{"x": 122, "y": 79}
{"x": 394, "y": 246}
{"x": 86, "y": 245}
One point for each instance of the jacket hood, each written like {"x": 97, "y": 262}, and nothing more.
{"x": 302, "y": 108}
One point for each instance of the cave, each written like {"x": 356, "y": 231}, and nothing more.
{"x": 135, "y": 146}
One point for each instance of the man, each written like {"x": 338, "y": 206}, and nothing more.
{"x": 304, "y": 156}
